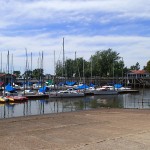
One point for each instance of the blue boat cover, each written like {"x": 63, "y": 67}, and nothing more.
{"x": 70, "y": 83}
{"x": 61, "y": 83}
{"x": 43, "y": 89}
{"x": 84, "y": 86}
{"x": 9, "y": 88}
{"x": 91, "y": 85}
{"x": 118, "y": 85}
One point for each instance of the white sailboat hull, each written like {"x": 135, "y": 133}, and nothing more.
{"x": 105, "y": 92}
{"x": 65, "y": 94}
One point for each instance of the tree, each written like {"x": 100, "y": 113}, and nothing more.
{"x": 148, "y": 66}
{"x": 79, "y": 67}
{"x": 59, "y": 68}
{"x": 135, "y": 67}
{"x": 37, "y": 73}
{"x": 17, "y": 73}
{"x": 96, "y": 64}
{"x": 27, "y": 74}
{"x": 119, "y": 68}
{"x": 69, "y": 67}
{"x": 104, "y": 62}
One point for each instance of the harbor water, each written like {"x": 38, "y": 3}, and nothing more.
{"x": 139, "y": 100}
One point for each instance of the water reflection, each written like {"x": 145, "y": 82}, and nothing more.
{"x": 46, "y": 106}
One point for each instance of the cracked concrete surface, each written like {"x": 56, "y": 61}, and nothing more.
{"x": 101, "y": 129}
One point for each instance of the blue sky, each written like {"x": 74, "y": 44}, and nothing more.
{"x": 86, "y": 25}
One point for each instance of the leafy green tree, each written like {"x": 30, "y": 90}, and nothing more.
{"x": 37, "y": 73}
{"x": 135, "y": 67}
{"x": 119, "y": 68}
{"x": 96, "y": 61}
{"x": 17, "y": 73}
{"x": 125, "y": 70}
{"x": 27, "y": 74}
{"x": 69, "y": 67}
{"x": 104, "y": 62}
{"x": 148, "y": 66}
{"x": 87, "y": 69}
{"x": 59, "y": 68}
{"x": 79, "y": 67}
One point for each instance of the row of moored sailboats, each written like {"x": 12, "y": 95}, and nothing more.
{"x": 11, "y": 95}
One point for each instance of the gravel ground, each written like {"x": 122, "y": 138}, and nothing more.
{"x": 101, "y": 129}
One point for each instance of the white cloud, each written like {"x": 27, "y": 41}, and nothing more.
{"x": 28, "y": 24}
{"x": 131, "y": 48}
{"x": 16, "y": 11}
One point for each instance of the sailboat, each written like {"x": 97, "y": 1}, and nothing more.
{"x": 65, "y": 93}
{"x": 3, "y": 99}
{"x": 105, "y": 90}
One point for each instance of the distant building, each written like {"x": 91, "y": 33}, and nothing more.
{"x": 7, "y": 78}
{"x": 138, "y": 74}
{"x": 48, "y": 76}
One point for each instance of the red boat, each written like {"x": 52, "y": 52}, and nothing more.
{"x": 17, "y": 98}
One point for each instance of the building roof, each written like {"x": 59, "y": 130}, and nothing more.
{"x": 138, "y": 72}
{"x": 4, "y": 74}
{"x": 1, "y": 83}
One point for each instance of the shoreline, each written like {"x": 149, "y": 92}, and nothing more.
{"x": 105, "y": 128}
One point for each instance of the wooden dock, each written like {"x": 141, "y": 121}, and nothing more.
{"x": 128, "y": 91}
{"x": 39, "y": 96}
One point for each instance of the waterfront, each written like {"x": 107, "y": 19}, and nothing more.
{"x": 52, "y": 105}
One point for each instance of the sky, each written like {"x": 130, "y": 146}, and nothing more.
{"x": 33, "y": 27}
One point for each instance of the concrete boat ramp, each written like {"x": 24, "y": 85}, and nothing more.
{"x": 101, "y": 129}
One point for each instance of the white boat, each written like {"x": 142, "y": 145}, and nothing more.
{"x": 52, "y": 86}
{"x": 36, "y": 86}
{"x": 65, "y": 94}
{"x": 105, "y": 90}
{"x": 17, "y": 87}
{"x": 28, "y": 92}
{"x": 123, "y": 89}
{"x": 109, "y": 87}
{"x": 89, "y": 91}
{"x": 7, "y": 93}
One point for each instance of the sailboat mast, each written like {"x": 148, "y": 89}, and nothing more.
{"x": 26, "y": 74}
{"x": 54, "y": 64}
{"x": 8, "y": 62}
{"x": 12, "y": 64}
{"x": 42, "y": 71}
{"x": 42, "y": 61}
{"x": 1, "y": 62}
{"x": 31, "y": 61}
{"x": 83, "y": 73}
{"x": 63, "y": 71}
{"x": 91, "y": 70}
{"x": 26, "y": 61}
